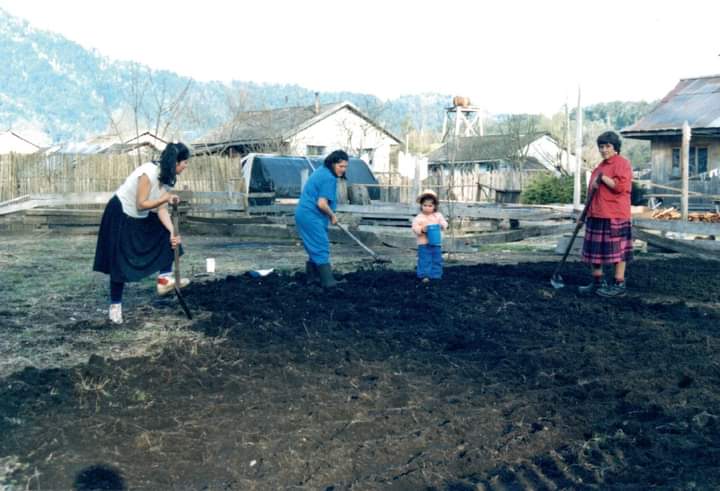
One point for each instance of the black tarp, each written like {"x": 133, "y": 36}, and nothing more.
{"x": 282, "y": 175}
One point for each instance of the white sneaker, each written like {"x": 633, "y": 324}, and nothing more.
{"x": 116, "y": 313}
{"x": 166, "y": 284}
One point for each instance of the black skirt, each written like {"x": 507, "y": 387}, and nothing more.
{"x": 129, "y": 249}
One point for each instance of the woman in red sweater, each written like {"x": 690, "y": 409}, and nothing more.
{"x": 608, "y": 228}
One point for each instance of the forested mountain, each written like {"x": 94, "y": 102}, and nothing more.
{"x": 55, "y": 85}
{"x": 70, "y": 92}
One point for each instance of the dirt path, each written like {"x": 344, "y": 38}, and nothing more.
{"x": 489, "y": 379}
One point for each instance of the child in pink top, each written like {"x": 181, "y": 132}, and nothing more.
{"x": 430, "y": 261}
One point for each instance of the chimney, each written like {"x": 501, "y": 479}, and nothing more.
{"x": 317, "y": 102}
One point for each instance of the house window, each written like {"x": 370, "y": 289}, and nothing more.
{"x": 367, "y": 155}
{"x": 315, "y": 150}
{"x": 701, "y": 160}
{"x": 698, "y": 162}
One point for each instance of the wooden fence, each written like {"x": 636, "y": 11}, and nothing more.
{"x": 460, "y": 185}
{"x": 394, "y": 187}
{"x": 31, "y": 174}
{"x": 708, "y": 186}
{"x": 473, "y": 186}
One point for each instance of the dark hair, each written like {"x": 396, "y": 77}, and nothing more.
{"x": 428, "y": 197}
{"x": 610, "y": 137}
{"x": 334, "y": 158}
{"x": 173, "y": 153}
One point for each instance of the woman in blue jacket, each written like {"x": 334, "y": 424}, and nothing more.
{"x": 314, "y": 213}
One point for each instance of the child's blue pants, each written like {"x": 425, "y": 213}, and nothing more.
{"x": 429, "y": 262}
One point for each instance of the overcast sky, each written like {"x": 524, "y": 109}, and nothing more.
{"x": 506, "y": 55}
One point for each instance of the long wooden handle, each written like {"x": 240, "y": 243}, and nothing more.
{"x": 176, "y": 232}
{"x": 358, "y": 241}
{"x": 581, "y": 221}
{"x": 590, "y": 196}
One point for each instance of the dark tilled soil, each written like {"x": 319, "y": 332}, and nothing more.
{"x": 489, "y": 379}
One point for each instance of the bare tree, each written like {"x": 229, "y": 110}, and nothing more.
{"x": 236, "y": 102}
{"x": 166, "y": 104}
{"x": 517, "y": 128}
{"x": 355, "y": 135}
{"x": 149, "y": 104}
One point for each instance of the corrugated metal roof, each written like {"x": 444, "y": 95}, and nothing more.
{"x": 256, "y": 126}
{"x": 482, "y": 148}
{"x": 695, "y": 100}
{"x": 107, "y": 144}
{"x": 275, "y": 124}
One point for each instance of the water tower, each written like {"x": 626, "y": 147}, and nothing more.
{"x": 462, "y": 119}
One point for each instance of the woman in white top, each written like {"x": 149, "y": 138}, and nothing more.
{"x": 135, "y": 238}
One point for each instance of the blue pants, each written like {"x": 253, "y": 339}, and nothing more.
{"x": 313, "y": 231}
{"x": 429, "y": 262}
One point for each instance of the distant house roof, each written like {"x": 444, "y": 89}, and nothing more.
{"x": 145, "y": 139}
{"x": 695, "y": 100}
{"x": 490, "y": 148}
{"x": 255, "y": 127}
{"x": 11, "y": 142}
{"x": 109, "y": 144}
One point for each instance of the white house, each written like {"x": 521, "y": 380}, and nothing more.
{"x": 539, "y": 150}
{"x": 494, "y": 166}
{"x": 546, "y": 150}
{"x": 306, "y": 130}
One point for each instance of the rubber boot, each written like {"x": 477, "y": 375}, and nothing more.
{"x": 327, "y": 280}
{"x": 311, "y": 273}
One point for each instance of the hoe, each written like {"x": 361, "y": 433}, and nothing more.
{"x": 556, "y": 281}
{"x": 176, "y": 231}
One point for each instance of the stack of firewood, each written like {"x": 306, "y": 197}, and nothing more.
{"x": 697, "y": 216}
{"x": 666, "y": 214}
{"x": 704, "y": 217}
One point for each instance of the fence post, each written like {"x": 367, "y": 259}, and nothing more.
{"x": 14, "y": 166}
{"x": 684, "y": 167}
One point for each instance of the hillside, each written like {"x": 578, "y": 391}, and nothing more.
{"x": 52, "y": 84}
{"x": 70, "y": 92}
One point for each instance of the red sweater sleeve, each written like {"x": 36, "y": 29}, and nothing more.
{"x": 622, "y": 177}
{"x": 613, "y": 202}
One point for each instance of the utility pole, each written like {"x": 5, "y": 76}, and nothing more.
{"x": 578, "y": 154}
{"x": 568, "y": 166}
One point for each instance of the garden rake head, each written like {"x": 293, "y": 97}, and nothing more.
{"x": 376, "y": 258}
